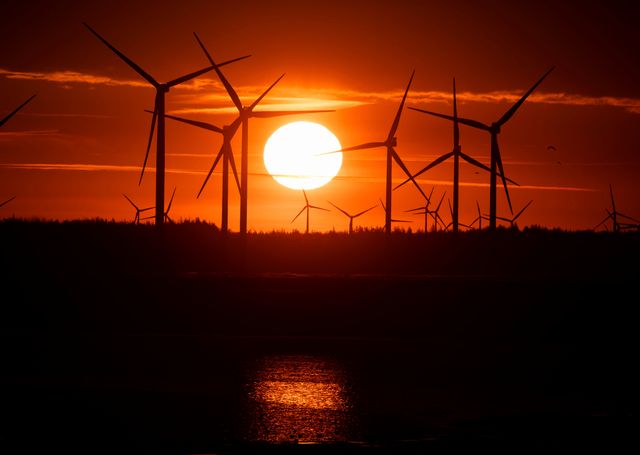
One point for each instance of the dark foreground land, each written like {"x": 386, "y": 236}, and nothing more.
{"x": 116, "y": 339}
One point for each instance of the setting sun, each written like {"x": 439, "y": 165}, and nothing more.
{"x": 293, "y": 155}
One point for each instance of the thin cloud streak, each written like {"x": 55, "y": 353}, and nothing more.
{"x": 82, "y": 167}
{"x": 34, "y": 133}
{"x": 328, "y": 98}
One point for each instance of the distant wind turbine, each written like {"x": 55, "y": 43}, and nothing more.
{"x": 435, "y": 214}
{"x": 244, "y": 114}
{"x": 512, "y": 221}
{"x": 165, "y": 214}
{"x": 390, "y": 143}
{"x": 15, "y": 111}
{"x": 479, "y": 218}
{"x": 308, "y": 208}
{"x": 456, "y": 153}
{"x": 158, "y": 115}
{"x": 496, "y": 159}
{"x": 424, "y": 210}
{"x": 136, "y": 219}
{"x": 613, "y": 215}
{"x": 352, "y": 217}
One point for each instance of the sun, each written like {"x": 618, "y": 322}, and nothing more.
{"x": 293, "y": 155}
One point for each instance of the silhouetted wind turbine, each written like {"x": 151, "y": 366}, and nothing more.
{"x": 496, "y": 159}
{"x": 7, "y": 201}
{"x": 158, "y": 115}
{"x": 15, "y": 111}
{"x": 390, "y": 143}
{"x": 456, "y": 153}
{"x": 434, "y": 214}
{"x": 244, "y": 114}
{"x": 513, "y": 220}
{"x": 392, "y": 220}
{"x": 424, "y": 210}
{"x": 351, "y": 217}
{"x": 136, "y": 219}
{"x": 165, "y": 214}
{"x": 479, "y": 218}
{"x": 308, "y": 208}
{"x": 226, "y": 153}
{"x": 613, "y": 215}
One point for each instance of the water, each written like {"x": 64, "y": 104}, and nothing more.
{"x": 300, "y": 399}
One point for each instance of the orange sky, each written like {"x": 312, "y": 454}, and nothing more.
{"x": 79, "y": 144}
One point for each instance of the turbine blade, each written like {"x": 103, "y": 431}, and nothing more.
{"x": 232, "y": 93}
{"x": 400, "y": 163}
{"x": 304, "y": 193}
{"x": 15, "y": 111}
{"x": 215, "y": 163}
{"x": 367, "y": 145}
{"x": 270, "y": 114}
{"x": 622, "y": 215}
{"x": 464, "y": 121}
{"x": 170, "y": 202}
{"x": 434, "y": 163}
{"x": 339, "y": 209}
{"x": 299, "y": 213}
{"x": 382, "y": 203}
{"x": 146, "y": 155}
{"x": 203, "y": 125}
{"x": 131, "y": 202}
{"x": 232, "y": 161}
{"x": 613, "y": 202}
{"x": 516, "y": 106}
{"x": 523, "y": 209}
{"x": 364, "y": 211}
{"x": 257, "y": 101}
{"x": 396, "y": 120}
{"x": 504, "y": 180}
{"x": 440, "y": 203}
{"x": 195, "y": 74}
{"x": 7, "y": 201}
{"x": 318, "y": 208}
{"x": 416, "y": 209}
{"x": 124, "y": 58}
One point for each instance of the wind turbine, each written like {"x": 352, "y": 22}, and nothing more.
{"x": 613, "y": 215}
{"x": 392, "y": 220}
{"x": 136, "y": 219}
{"x": 165, "y": 214}
{"x": 244, "y": 114}
{"x": 390, "y": 143}
{"x": 424, "y": 210}
{"x": 15, "y": 111}
{"x": 158, "y": 115}
{"x": 308, "y": 208}
{"x": 226, "y": 153}
{"x": 513, "y": 220}
{"x": 351, "y": 217}
{"x": 434, "y": 214}
{"x": 496, "y": 159}
{"x": 456, "y": 153}
{"x": 479, "y": 218}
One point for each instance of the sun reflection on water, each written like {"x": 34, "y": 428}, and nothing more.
{"x": 299, "y": 399}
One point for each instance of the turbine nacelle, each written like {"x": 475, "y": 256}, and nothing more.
{"x": 495, "y": 128}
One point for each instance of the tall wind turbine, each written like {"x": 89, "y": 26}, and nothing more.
{"x": 158, "y": 116}
{"x": 244, "y": 114}
{"x": 136, "y": 219}
{"x": 512, "y": 221}
{"x": 308, "y": 208}
{"x": 226, "y": 153}
{"x": 456, "y": 153}
{"x": 390, "y": 143}
{"x": 613, "y": 216}
{"x": 15, "y": 111}
{"x": 352, "y": 217}
{"x": 496, "y": 159}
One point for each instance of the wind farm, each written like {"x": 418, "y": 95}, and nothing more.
{"x": 309, "y": 289}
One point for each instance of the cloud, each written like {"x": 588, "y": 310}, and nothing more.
{"x": 34, "y": 133}
{"x": 322, "y": 98}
